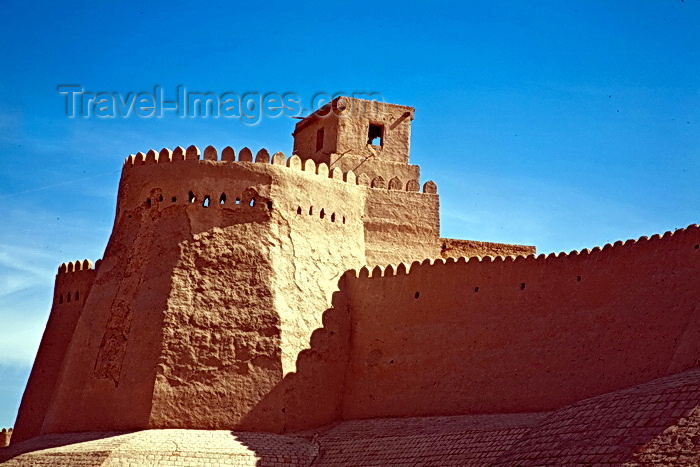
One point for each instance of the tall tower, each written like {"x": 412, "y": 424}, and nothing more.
{"x": 363, "y": 136}
{"x": 219, "y": 272}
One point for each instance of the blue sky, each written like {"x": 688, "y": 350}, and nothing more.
{"x": 559, "y": 124}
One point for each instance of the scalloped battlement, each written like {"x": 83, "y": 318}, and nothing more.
{"x": 5, "y": 435}
{"x": 294, "y": 162}
{"x": 75, "y": 266}
{"x": 255, "y": 291}
{"x": 405, "y": 268}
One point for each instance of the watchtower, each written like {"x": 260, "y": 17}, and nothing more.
{"x": 364, "y": 136}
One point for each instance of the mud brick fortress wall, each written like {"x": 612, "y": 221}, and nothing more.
{"x": 256, "y": 292}
{"x": 528, "y": 334}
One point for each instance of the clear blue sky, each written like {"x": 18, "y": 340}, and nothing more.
{"x": 559, "y": 124}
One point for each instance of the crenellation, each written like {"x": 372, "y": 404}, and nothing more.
{"x": 350, "y": 177}
{"x": 5, "y": 436}
{"x": 278, "y": 158}
{"x": 245, "y": 155}
{"x": 430, "y": 187}
{"x": 294, "y": 162}
{"x": 228, "y": 154}
{"x": 263, "y": 157}
{"x": 192, "y": 154}
{"x": 310, "y": 166}
{"x": 210, "y": 154}
{"x": 151, "y": 157}
{"x": 165, "y": 155}
{"x": 608, "y": 249}
{"x": 569, "y": 278}
{"x": 336, "y": 174}
{"x": 266, "y": 293}
{"x": 179, "y": 154}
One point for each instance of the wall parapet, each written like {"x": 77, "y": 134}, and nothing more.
{"x": 76, "y": 266}
{"x": 521, "y": 333}
{"x": 5, "y": 435}
{"x": 294, "y": 162}
{"x": 405, "y": 268}
{"x": 74, "y": 281}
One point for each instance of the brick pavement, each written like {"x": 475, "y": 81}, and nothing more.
{"x": 657, "y": 423}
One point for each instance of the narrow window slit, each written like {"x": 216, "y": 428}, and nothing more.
{"x": 191, "y": 197}
{"x": 173, "y": 199}
{"x": 417, "y": 294}
{"x": 476, "y": 289}
{"x": 252, "y": 202}
{"x": 77, "y": 295}
{"x": 299, "y": 210}
{"x": 148, "y": 202}
{"x": 222, "y": 198}
{"x": 319, "y": 139}
{"x": 68, "y": 298}
{"x": 205, "y": 203}
{"x": 522, "y": 286}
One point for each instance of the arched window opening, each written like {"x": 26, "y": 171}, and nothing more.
{"x": 299, "y": 210}
{"x": 252, "y": 202}
{"x": 222, "y": 198}
{"x": 323, "y": 213}
{"x": 311, "y": 211}
{"x": 160, "y": 198}
{"x": 343, "y": 219}
{"x": 333, "y": 217}
{"x": 191, "y": 197}
{"x": 205, "y": 203}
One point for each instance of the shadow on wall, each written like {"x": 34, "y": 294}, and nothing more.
{"x": 311, "y": 396}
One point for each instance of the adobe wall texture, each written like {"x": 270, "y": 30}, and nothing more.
{"x": 345, "y": 124}
{"x": 522, "y": 335}
{"x": 72, "y": 288}
{"x": 5, "y": 436}
{"x": 216, "y": 275}
{"x": 453, "y": 248}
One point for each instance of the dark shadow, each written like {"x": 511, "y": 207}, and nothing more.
{"x": 57, "y": 440}
{"x": 311, "y": 396}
